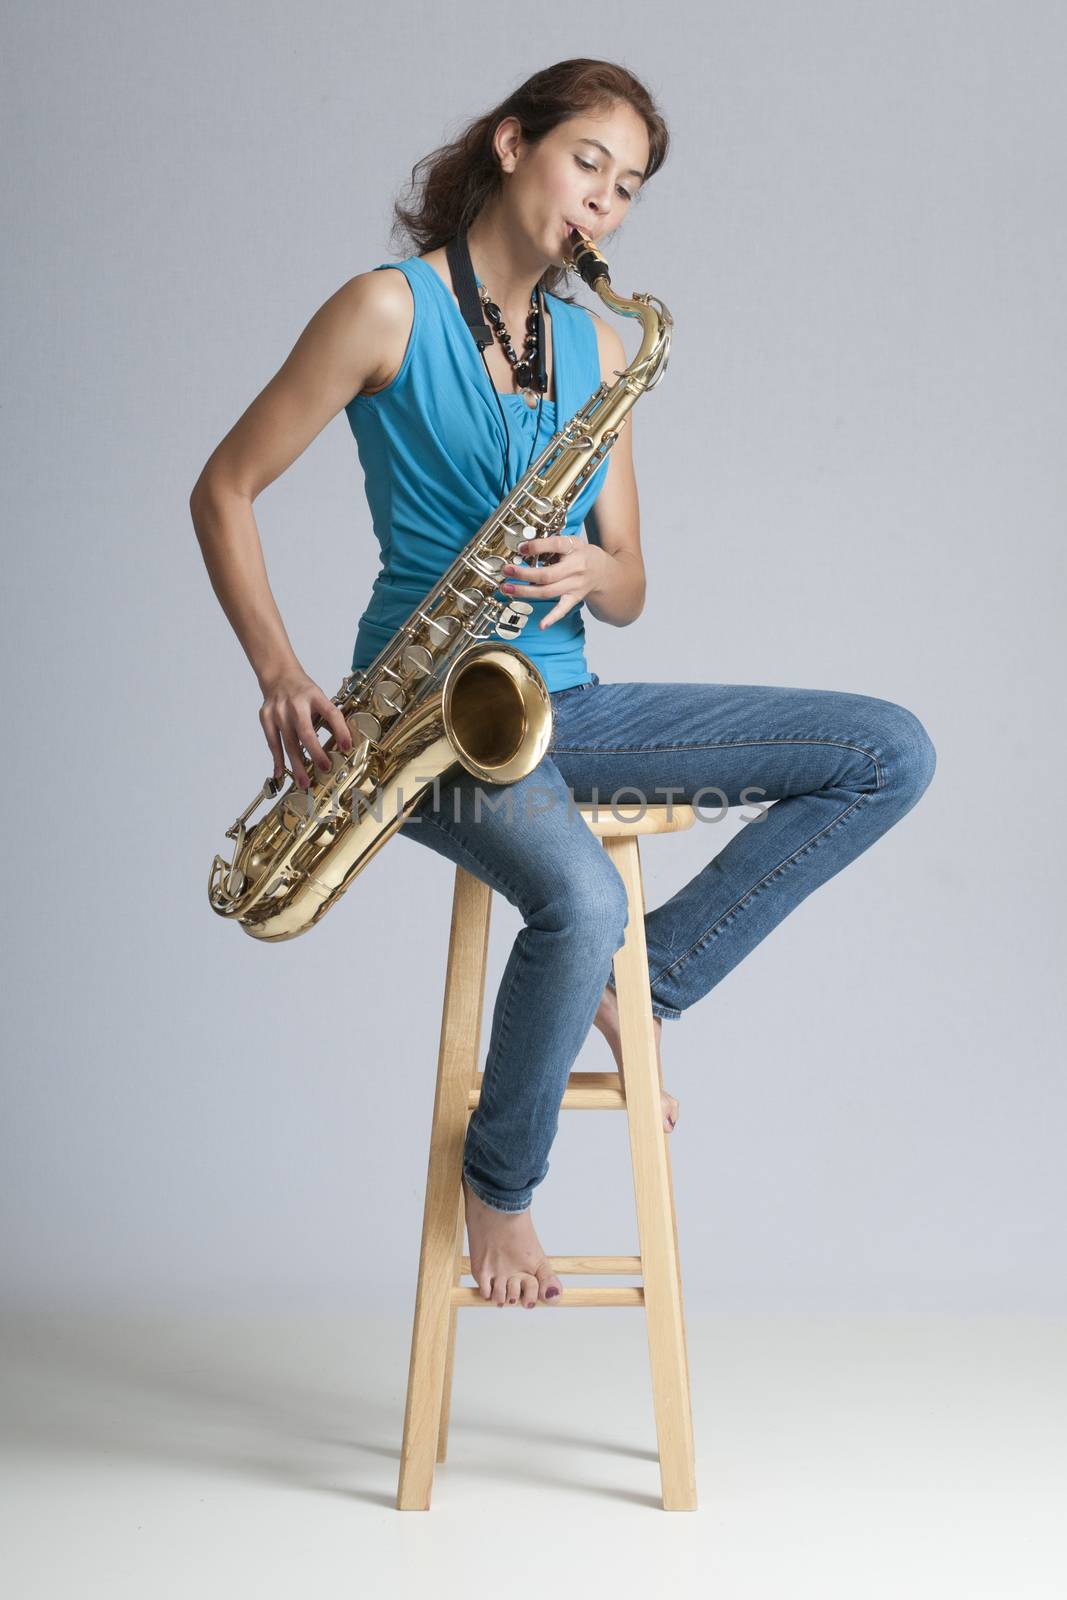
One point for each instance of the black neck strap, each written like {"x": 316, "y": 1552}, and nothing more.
{"x": 459, "y": 265}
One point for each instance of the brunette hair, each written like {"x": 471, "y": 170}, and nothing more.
{"x": 449, "y": 187}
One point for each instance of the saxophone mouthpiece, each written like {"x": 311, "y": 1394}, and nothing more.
{"x": 585, "y": 258}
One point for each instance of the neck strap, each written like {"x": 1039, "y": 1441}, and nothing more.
{"x": 459, "y": 265}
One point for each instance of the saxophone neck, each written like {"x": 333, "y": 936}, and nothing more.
{"x": 650, "y": 362}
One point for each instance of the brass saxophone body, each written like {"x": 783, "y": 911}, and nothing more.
{"x": 444, "y": 691}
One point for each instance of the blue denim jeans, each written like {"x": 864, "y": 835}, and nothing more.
{"x": 840, "y": 768}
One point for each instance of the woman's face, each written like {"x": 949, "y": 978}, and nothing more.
{"x": 568, "y": 179}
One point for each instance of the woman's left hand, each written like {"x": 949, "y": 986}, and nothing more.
{"x": 579, "y": 568}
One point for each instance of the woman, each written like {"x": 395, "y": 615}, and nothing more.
{"x": 431, "y": 413}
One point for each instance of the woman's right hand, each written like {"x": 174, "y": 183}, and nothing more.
{"x": 290, "y": 701}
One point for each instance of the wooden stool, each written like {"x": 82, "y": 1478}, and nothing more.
{"x": 441, "y": 1263}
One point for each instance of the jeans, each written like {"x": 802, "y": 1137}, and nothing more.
{"x": 841, "y": 769}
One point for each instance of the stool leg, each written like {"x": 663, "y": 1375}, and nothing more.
{"x": 654, "y": 1194}
{"x": 457, "y": 1064}
{"x": 446, "y": 1393}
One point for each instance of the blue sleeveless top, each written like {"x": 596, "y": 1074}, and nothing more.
{"x": 431, "y": 445}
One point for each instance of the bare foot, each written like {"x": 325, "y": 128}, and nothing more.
{"x": 607, "y": 1020}
{"x": 506, "y": 1256}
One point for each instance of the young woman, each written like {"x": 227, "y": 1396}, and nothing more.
{"x": 432, "y": 415}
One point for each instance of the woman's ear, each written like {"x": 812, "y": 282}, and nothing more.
{"x": 504, "y": 143}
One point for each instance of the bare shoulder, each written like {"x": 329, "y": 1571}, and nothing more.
{"x": 385, "y": 289}
{"x": 376, "y": 311}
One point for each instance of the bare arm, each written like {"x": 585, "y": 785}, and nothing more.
{"x": 346, "y": 348}
{"x": 233, "y": 554}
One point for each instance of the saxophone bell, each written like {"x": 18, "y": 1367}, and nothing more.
{"x": 496, "y": 713}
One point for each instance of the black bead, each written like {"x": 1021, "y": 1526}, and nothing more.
{"x": 525, "y": 367}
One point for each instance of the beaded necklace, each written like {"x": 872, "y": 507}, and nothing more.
{"x": 526, "y": 367}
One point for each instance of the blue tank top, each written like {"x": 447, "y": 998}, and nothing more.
{"x": 431, "y": 445}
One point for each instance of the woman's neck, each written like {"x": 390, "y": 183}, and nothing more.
{"x": 509, "y": 276}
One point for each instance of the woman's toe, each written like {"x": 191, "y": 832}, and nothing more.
{"x": 549, "y": 1286}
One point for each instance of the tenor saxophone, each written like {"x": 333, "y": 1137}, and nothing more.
{"x": 444, "y": 691}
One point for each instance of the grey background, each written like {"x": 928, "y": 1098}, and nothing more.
{"x": 851, "y": 477}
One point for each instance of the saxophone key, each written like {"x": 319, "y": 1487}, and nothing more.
{"x": 365, "y": 726}
{"x": 418, "y": 659}
{"x": 490, "y": 565}
{"x": 441, "y": 629}
{"x": 513, "y": 619}
{"x": 388, "y": 698}
{"x": 538, "y": 503}
{"x": 469, "y": 599}
{"x": 516, "y": 534}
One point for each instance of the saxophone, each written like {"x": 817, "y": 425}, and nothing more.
{"x": 443, "y": 691}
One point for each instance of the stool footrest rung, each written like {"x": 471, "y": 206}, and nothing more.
{"x": 585, "y": 1091}
{"x": 615, "y": 1266}
{"x": 609, "y": 1295}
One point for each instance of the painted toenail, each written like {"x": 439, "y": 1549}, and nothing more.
{"x": 550, "y": 1294}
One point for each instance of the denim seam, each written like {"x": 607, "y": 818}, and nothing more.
{"x": 492, "y": 1203}
{"x": 750, "y": 893}
{"x": 664, "y": 1011}
{"x": 487, "y": 1076}
{"x": 722, "y": 744}
{"x": 505, "y": 1029}
{"x": 488, "y": 1079}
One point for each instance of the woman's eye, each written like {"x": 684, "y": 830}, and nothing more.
{"x": 589, "y": 167}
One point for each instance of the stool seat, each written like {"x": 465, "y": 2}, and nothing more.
{"x": 609, "y": 822}
{"x": 439, "y": 1293}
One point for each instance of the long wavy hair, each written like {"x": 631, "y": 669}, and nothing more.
{"x": 449, "y": 187}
